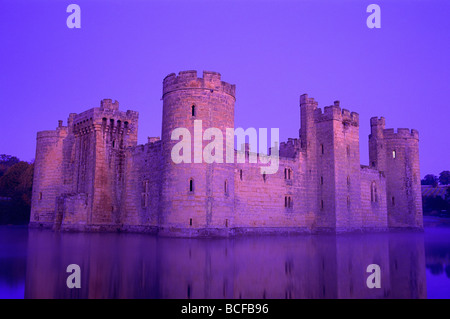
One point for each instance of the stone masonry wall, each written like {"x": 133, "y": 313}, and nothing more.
{"x": 143, "y": 185}
{"x": 373, "y": 199}
{"x": 273, "y": 200}
{"x": 48, "y": 176}
{"x": 91, "y": 175}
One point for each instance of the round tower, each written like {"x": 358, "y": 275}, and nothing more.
{"x": 197, "y": 193}
{"x": 48, "y": 176}
{"x": 402, "y": 170}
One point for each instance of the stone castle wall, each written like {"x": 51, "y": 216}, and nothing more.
{"x": 92, "y": 176}
{"x": 373, "y": 199}
{"x": 271, "y": 201}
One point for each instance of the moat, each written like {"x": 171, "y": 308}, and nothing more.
{"x": 116, "y": 265}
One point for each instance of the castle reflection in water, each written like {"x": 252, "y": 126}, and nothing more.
{"x": 139, "y": 266}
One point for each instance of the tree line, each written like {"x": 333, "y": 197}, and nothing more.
{"x": 16, "y": 181}
{"x": 433, "y": 180}
{"x": 437, "y": 205}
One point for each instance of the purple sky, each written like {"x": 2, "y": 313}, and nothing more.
{"x": 273, "y": 51}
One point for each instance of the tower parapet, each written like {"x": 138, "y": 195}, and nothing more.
{"x": 108, "y": 104}
{"x": 289, "y": 148}
{"x": 189, "y": 80}
{"x": 377, "y": 126}
{"x": 335, "y": 113}
{"x": 401, "y": 133}
{"x": 305, "y": 100}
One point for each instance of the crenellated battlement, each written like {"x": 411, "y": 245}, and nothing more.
{"x": 289, "y": 148}
{"x": 305, "y": 100}
{"x": 106, "y": 109}
{"x": 146, "y": 148}
{"x": 390, "y": 133}
{"x": 107, "y": 117}
{"x": 152, "y": 140}
{"x": 52, "y": 133}
{"x": 108, "y": 104}
{"x": 378, "y": 125}
{"x": 290, "y": 142}
{"x": 334, "y": 112}
{"x": 375, "y": 121}
{"x": 189, "y": 80}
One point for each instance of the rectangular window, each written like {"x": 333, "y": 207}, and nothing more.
{"x": 145, "y": 187}
{"x": 288, "y": 203}
{"x": 144, "y": 200}
{"x": 145, "y": 195}
{"x": 40, "y": 195}
{"x": 287, "y": 174}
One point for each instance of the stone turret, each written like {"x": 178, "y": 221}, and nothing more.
{"x": 48, "y": 175}
{"x": 338, "y": 171}
{"x": 396, "y": 154}
{"x": 196, "y": 195}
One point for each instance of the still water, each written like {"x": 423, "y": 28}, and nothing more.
{"x": 413, "y": 265}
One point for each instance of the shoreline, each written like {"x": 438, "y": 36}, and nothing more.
{"x": 435, "y": 221}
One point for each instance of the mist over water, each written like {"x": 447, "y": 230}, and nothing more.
{"x": 116, "y": 265}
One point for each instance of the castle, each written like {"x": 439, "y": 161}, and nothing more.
{"x": 92, "y": 176}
